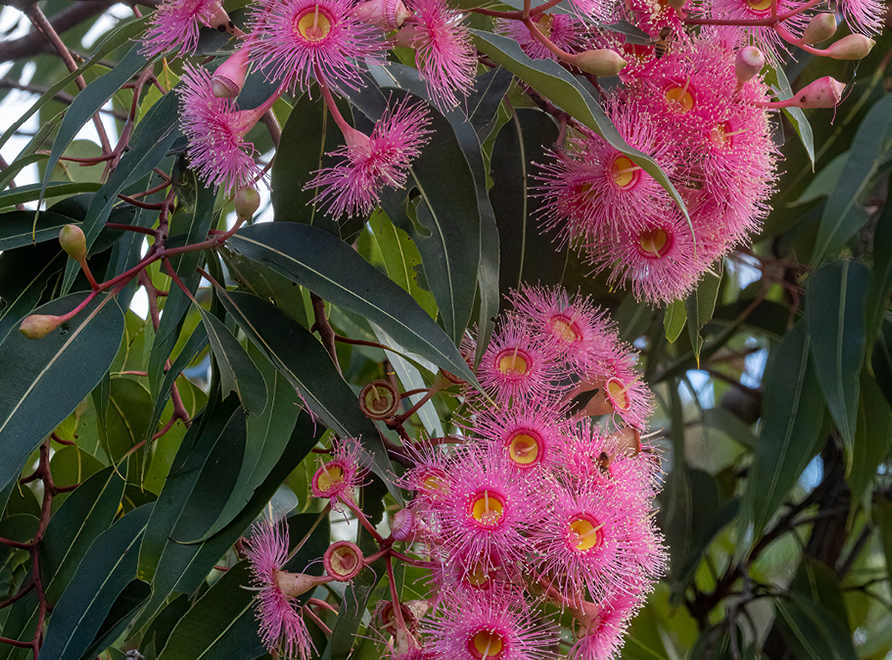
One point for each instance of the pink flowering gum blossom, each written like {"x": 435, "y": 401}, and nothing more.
{"x": 175, "y": 25}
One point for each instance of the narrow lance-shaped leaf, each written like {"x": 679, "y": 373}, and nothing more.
{"x": 835, "y": 313}
{"x": 45, "y": 379}
{"x": 238, "y": 372}
{"x": 791, "y": 430}
{"x": 700, "y": 306}
{"x": 334, "y": 271}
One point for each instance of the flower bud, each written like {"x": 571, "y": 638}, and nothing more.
{"x": 71, "y": 238}
{"x": 820, "y": 28}
{"x": 343, "y": 561}
{"x": 217, "y": 18}
{"x": 385, "y": 14}
{"x": 822, "y": 93}
{"x": 748, "y": 64}
{"x": 379, "y": 400}
{"x": 628, "y": 441}
{"x": 229, "y": 78}
{"x": 851, "y": 47}
{"x": 38, "y": 326}
{"x": 402, "y": 525}
{"x": 601, "y": 62}
{"x": 247, "y": 201}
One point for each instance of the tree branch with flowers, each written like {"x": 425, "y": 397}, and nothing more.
{"x": 436, "y": 330}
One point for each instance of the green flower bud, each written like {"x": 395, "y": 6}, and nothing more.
{"x": 38, "y": 326}
{"x": 71, "y": 238}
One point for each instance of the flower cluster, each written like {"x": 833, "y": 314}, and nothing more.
{"x": 539, "y": 502}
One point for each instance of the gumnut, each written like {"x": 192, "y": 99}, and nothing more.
{"x": 851, "y": 47}
{"x": 343, "y": 561}
{"x": 38, "y": 326}
{"x": 385, "y": 14}
{"x": 229, "y": 78}
{"x": 379, "y": 400}
{"x": 601, "y": 62}
{"x": 748, "y": 64}
{"x": 72, "y": 240}
{"x": 247, "y": 201}
{"x": 821, "y": 27}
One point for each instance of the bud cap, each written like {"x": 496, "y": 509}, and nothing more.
{"x": 851, "y": 47}
{"x": 38, "y": 326}
{"x": 821, "y": 27}
{"x": 601, "y": 62}
{"x": 71, "y": 238}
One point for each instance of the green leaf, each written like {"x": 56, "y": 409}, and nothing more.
{"x": 183, "y": 568}
{"x": 308, "y": 134}
{"x": 835, "y": 313}
{"x": 308, "y": 367}
{"x": 334, "y": 271}
{"x": 24, "y": 274}
{"x": 267, "y": 436}
{"x": 790, "y": 433}
{"x": 401, "y": 259}
{"x": 88, "y": 103}
{"x": 108, "y": 567}
{"x": 150, "y": 143}
{"x": 128, "y": 417}
{"x": 84, "y": 515}
{"x": 811, "y": 632}
{"x": 824, "y": 182}
{"x": 526, "y": 255}
{"x": 483, "y": 103}
{"x": 818, "y": 583}
{"x": 873, "y": 440}
{"x": 238, "y": 372}
{"x": 881, "y": 275}
{"x": 45, "y": 379}
{"x": 882, "y": 515}
{"x": 674, "y": 320}
{"x": 700, "y": 306}
{"x": 222, "y": 625}
{"x": 843, "y": 215}
{"x": 32, "y": 192}
{"x": 18, "y": 228}
{"x": 560, "y": 87}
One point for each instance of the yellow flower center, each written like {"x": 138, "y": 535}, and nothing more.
{"x": 524, "y": 449}
{"x": 680, "y": 98}
{"x": 486, "y": 509}
{"x": 344, "y": 560}
{"x": 564, "y": 329}
{"x": 486, "y": 644}
{"x": 478, "y": 577}
{"x": 329, "y": 478}
{"x": 758, "y": 6}
{"x": 653, "y": 243}
{"x": 618, "y": 393}
{"x": 313, "y": 24}
{"x": 624, "y": 172}
{"x": 584, "y": 533}
{"x": 513, "y": 363}
{"x": 721, "y": 136}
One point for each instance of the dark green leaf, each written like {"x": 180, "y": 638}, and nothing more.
{"x": 483, "y": 103}
{"x": 700, "y": 306}
{"x": 32, "y": 192}
{"x": 108, "y": 567}
{"x": 24, "y": 274}
{"x": 790, "y": 434}
{"x": 18, "y": 228}
{"x": 835, "y": 314}
{"x": 45, "y": 379}
{"x": 881, "y": 275}
{"x": 84, "y": 515}
{"x": 674, "y": 320}
{"x": 811, "y": 632}
{"x": 873, "y": 440}
{"x": 843, "y": 215}
{"x": 334, "y": 271}
{"x": 795, "y": 115}
{"x": 818, "y": 583}
{"x": 238, "y": 372}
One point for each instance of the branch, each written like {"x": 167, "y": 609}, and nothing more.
{"x": 33, "y": 42}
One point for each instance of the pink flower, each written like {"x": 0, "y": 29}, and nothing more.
{"x": 590, "y": 540}
{"x": 337, "y": 479}
{"x": 763, "y": 37}
{"x": 175, "y": 23}
{"x": 564, "y": 31}
{"x": 602, "y": 627}
{"x": 216, "y": 130}
{"x": 578, "y": 329}
{"x": 474, "y": 626}
{"x": 528, "y": 437}
{"x": 518, "y": 363}
{"x": 281, "y": 626}
{"x": 372, "y": 162}
{"x": 445, "y": 56}
{"x": 864, "y": 15}
{"x": 297, "y": 38}
{"x": 486, "y": 510}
